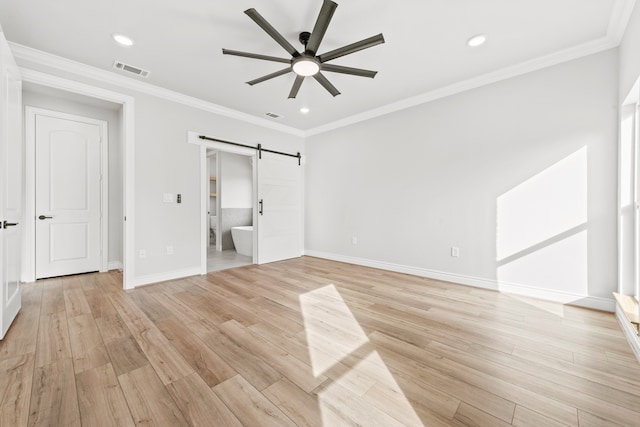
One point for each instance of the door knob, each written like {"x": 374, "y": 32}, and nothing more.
{"x": 41, "y": 217}
{"x": 9, "y": 224}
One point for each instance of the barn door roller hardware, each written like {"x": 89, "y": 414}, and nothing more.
{"x": 259, "y": 148}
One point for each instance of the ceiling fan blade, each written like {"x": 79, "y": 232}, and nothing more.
{"x": 269, "y": 76}
{"x": 354, "y": 47}
{"x": 320, "y": 78}
{"x": 255, "y": 56}
{"x": 258, "y": 19}
{"x": 349, "y": 70}
{"x": 296, "y": 86}
{"x": 322, "y": 23}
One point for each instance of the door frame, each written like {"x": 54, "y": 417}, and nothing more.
{"x": 193, "y": 138}
{"x": 127, "y": 137}
{"x": 30, "y": 172}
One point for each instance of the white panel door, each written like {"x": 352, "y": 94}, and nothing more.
{"x": 11, "y": 183}
{"x": 279, "y": 208}
{"x": 68, "y": 196}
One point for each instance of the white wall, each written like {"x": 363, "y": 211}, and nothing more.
{"x": 520, "y": 175}
{"x": 629, "y": 58}
{"x": 236, "y": 181}
{"x": 166, "y": 163}
{"x": 59, "y": 101}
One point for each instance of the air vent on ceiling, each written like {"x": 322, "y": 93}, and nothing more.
{"x": 131, "y": 69}
{"x": 274, "y": 115}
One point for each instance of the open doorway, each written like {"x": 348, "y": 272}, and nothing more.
{"x": 277, "y": 199}
{"x": 230, "y": 210}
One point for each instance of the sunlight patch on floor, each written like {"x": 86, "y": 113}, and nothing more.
{"x": 361, "y": 382}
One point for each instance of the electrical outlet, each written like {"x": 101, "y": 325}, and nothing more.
{"x": 354, "y": 240}
{"x": 455, "y": 251}
{"x": 169, "y": 250}
{"x": 143, "y": 253}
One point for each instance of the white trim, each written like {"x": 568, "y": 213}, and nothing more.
{"x": 163, "y": 277}
{"x": 128, "y": 141}
{"x": 104, "y": 203}
{"x": 619, "y": 19}
{"x": 630, "y": 334}
{"x": 115, "y": 265}
{"x": 205, "y": 201}
{"x": 595, "y": 303}
{"x": 29, "y": 252}
{"x": 194, "y": 138}
{"x": 473, "y": 83}
{"x": 26, "y": 53}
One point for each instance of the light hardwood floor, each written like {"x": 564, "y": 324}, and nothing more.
{"x": 309, "y": 342}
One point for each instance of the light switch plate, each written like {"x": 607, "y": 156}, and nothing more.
{"x": 167, "y": 198}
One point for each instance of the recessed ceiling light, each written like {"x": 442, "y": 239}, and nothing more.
{"x": 304, "y": 110}
{"x": 476, "y": 41}
{"x": 122, "y": 39}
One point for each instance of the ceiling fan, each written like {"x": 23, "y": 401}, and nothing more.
{"x": 307, "y": 63}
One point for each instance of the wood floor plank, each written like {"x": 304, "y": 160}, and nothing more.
{"x": 339, "y": 403}
{"x": 100, "y": 398}
{"x": 54, "y": 399}
{"x": 250, "y": 406}
{"x": 75, "y": 302}
{"x": 469, "y": 416}
{"x": 204, "y": 360}
{"x": 126, "y": 355}
{"x": 16, "y": 378}
{"x": 251, "y": 367}
{"x": 148, "y": 399}
{"x": 587, "y": 419}
{"x": 290, "y": 367}
{"x": 112, "y": 327}
{"x": 199, "y": 404}
{"x": 166, "y": 360}
{"x": 302, "y": 408}
{"x": 53, "y": 296}
{"x": 87, "y": 348}
{"x": 98, "y": 304}
{"x": 409, "y": 365}
{"x": 524, "y": 417}
{"x": 53, "y": 339}
{"x": 309, "y": 342}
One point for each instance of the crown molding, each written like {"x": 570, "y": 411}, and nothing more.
{"x": 35, "y": 56}
{"x": 619, "y": 19}
{"x": 473, "y": 83}
{"x": 620, "y": 15}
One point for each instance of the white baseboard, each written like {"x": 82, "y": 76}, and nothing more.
{"x": 163, "y": 277}
{"x": 595, "y": 303}
{"x": 114, "y": 265}
{"x": 629, "y": 332}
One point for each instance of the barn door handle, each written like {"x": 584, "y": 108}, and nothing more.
{"x": 261, "y": 207}
{"x": 9, "y": 224}
{"x": 41, "y": 217}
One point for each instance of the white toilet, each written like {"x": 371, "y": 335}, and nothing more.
{"x": 243, "y": 239}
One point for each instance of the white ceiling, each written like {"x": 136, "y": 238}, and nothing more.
{"x": 425, "y": 53}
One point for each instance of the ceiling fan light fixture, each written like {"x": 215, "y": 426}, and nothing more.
{"x": 306, "y": 66}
